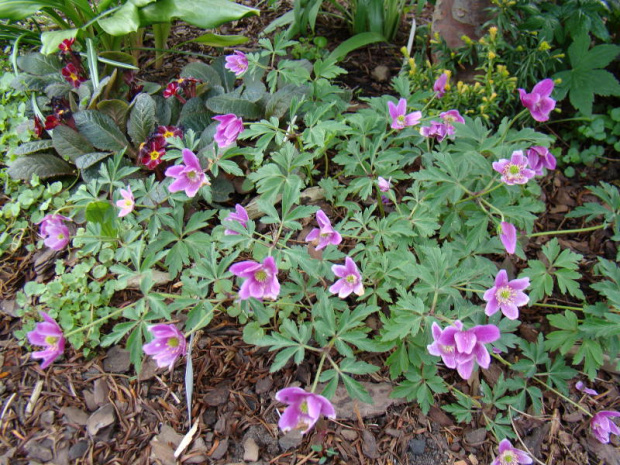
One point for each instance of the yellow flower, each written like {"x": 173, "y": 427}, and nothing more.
{"x": 467, "y": 40}
{"x": 405, "y": 52}
{"x": 558, "y": 81}
{"x": 544, "y": 46}
{"x": 493, "y": 32}
{"x": 492, "y": 55}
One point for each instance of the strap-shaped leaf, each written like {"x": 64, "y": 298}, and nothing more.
{"x": 226, "y": 104}
{"x": 33, "y": 146}
{"x": 69, "y": 143}
{"x": 43, "y": 165}
{"x": 100, "y": 130}
{"x": 142, "y": 118}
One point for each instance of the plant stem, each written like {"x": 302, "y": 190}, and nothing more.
{"x": 563, "y": 307}
{"x": 568, "y": 231}
{"x": 99, "y": 320}
{"x": 318, "y": 371}
{"x": 478, "y": 194}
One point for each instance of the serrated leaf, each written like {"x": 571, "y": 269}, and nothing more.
{"x": 195, "y": 115}
{"x": 599, "y": 57}
{"x": 69, "y": 143}
{"x": 33, "y": 146}
{"x": 89, "y": 159}
{"x": 43, "y": 165}
{"x": 355, "y": 389}
{"x": 280, "y": 102}
{"x": 141, "y": 119}
{"x": 38, "y": 64}
{"x": 100, "y": 130}
{"x": 115, "y": 109}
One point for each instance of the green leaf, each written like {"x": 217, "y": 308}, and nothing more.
{"x": 353, "y": 43}
{"x": 195, "y": 115}
{"x": 43, "y": 165}
{"x": 89, "y": 159}
{"x": 224, "y": 104}
{"x": 50, "y": 40}
{"x": 141, "y": 119}
{"x": 104, "y": 214}
{"x": 356, "y": 390}
{"x": 69, "y": 143}
{"x": 33, "y": 146}
{"x": 123, "y": 21}
{"x": 203, "y": 72}
{"x": 215, "y": 40}
{"x": 39, "y": 65}
{"x": 100, "y": 130}
{"x": 599, "y": 57}
{"x": 206, "y": 14}
{"x": 16, "y": 10}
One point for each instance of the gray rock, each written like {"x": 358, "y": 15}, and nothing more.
{"x": 117, "y": 360}
{"x": 417, "y": 446}
{"x": 250, "y": 450}
{"x": 78, "y": 450}
{"x": 290, "y": 440}
{"x": 40, "y": 450}
{"x": 220, "y": 450}
{"x": 104, "y": 416}
{"x": 369, "y": 445}
{"x": 75, "y": 415}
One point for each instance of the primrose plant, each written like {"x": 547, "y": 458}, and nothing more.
{"x": 414, "y": 210}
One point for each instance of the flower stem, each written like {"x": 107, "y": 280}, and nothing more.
{"x": 478, "y": 194}
{"x": 202, "y": 320}
{"x": 563, "y": 307}
{"x": 318, "y": 371}
{"x": 568, "y": 231}
{"x": 99, "y": 320}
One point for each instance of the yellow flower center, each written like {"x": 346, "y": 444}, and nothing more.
{"x": 304, "y": 407}
{"x": 168, "y": 134}
{"x": 173, "y": 342}
{"x": 504, "y": 294}
{"x": 154, "y": 155}
{"x": 260, "y": 275}
{"x": 351, "y": 279}
{"x": 61, "y": 236}
{"x": 128, "y": 203}
{"x": 191, "y": 175}
{"x": 51, "y": 340}
{"x": 514, "y": 170}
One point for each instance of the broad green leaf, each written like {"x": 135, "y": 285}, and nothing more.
{"x": 104, "y": 214}
{"x": 33, "y": 146}
{"x": 51, "y": 39}
{"x": 89, "y": 159}
{"x": 125, "y": 20}
{"x": 224, "y": 104}
{"x": 43, "y": 165}
{"x": 39, "y": 65}
{"x": 16, "y": 10}
{"x": 195, "y": 115}
{"x": 100, "y": 130}
{"x": 141, "y": 119}
{"x": 116, "y": 109}
{"x": 599, "y": 57}
{"x": 207, "y": 14}
{"x": 69, "y": 143}
{"x": 203, "y": 72}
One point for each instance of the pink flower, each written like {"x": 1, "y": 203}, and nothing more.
{"x": 304, "y": 409}
{"x": 350, "y": 279}
{"x": 384, "y": 184}
{"x": 506, "y": 296}
{"x": 126, "y": 204}
{"x": 460, "y": 349}
{"x": 539, "y": 157}
{"x": 54, "y": 231}
{"x": 168, "y": 132}
{"x": 189, "y": 177}
{"x": 168, "y": 345}
{"x": 440, "y": 85}
{"x": 514, "y": 171}
{"x": 324, "y": 235}
{"x": 72, "y": 75}
{"x": 581, "y": 387}
{"x": 436, "y": 130}
{"x": 49, "y": 335}
{"x": 240, "y": 216}
{"x": 509, "y": 455}
{"x": 452, "y": 116}
{"x": 261, "y": 279}
{"x": 237, "y": 63}
{"x": 228, "y": 130}
{"x": 538, "y": 102}
{"x": 602, "y": 426}
{"x": 171, "y": 89}
{"x": 508, "y": 236}
{"x": 399, "y": 117}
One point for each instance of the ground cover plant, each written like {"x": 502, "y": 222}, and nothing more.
{"x": 394, "y": 239}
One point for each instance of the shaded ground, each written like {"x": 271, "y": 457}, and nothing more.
{"x": 97, "y": 412}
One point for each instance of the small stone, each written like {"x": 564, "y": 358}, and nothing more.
{"x": 75, "y": 415}
{"x": 381, "y": 73}
{"x": 78, "y": 450}
{"x": 216, "y": 397}
{"x": 263, "y": 385}
{"x": 220, "y": 450}
{"x": 149, "y": 369}
{"x": 104, "y": 416}
{"x": 47, "y": 417}
{"x": 117, "y": 360}
{"x": 476, "y": 437}
{"x": 89, "y": 399}
{"x": 101, "y": 391}
{"x": 198, "y": 452}
{"x": 417, "y": 446}
{"x": 395, "y": 433}
{"x": 290, "y": 440}
{"x": 209, "y": 417}
{"x": 250, "y": 450}
{"x": 220, "y": 425}
{"x": 40, "y": 450}
{"x": 369, "y": 445}
{"x": 349, "y": 434}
